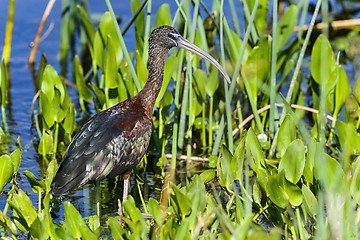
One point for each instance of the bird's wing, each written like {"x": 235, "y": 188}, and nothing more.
{"x": 88, "y": 154}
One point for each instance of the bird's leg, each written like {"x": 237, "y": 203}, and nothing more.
{"x": 126, "y": 186}
{"x": 97, "y": 197}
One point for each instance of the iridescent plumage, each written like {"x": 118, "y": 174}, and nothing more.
{"x": 113, "y": 141}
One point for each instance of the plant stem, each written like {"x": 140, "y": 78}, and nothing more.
{"x": 273, "y": 69}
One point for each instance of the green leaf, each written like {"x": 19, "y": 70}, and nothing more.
{"x": 207, "y": 175}
{"x": 106, "y": 30}
{"x": 169, "y": 69}
{"x": 287, "y": 134}
{"x": 16, "y": 158}
{"x": 25, "y": 212}
{"x": 294, "y": 193}
{"x": 111, "y": 68}
{"x": 348, "y": 138}
{"x": 276, "y": 192}
{"x": 117, "y": 231}
{"x": 257, "y": 194}
{"x": 139, "y": 26}
{"x": 260, "y": 20}
{"x": 89, "y": 28}
{"x": 163, "y": 16}
{"x": 329, "y": 172}
{"x": 6, "y": 170}
{"x": 212, "y": 83}
{"x": 154, "y": 209}
{"x": 257, "y": 66}
{"x": 286, "y": 26}
{"x": 310, "y": 201}
{"x": 322, "y": 57}
{"x": 10, "y": 226}
{"x": 253, "y": 145}
{"x": 293, "y": 161}
{"x": 37, "y": 185}
{"x": 141, "y": 69}
{"x": 84, "y": 92}
{"x": 74, "y": 223}
{"x": 342, "y": 90}
{"x": 46, "y": 143}
{"x": 180, "y": 202}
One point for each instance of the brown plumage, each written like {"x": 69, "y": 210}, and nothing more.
{"x": 113, "y": 141}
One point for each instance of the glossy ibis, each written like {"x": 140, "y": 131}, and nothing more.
{"x": 113, "y": 141}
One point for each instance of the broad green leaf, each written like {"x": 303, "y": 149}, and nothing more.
{"x": 356, "y": 92}
{"x": 257, "y": 194}
{"x": 310, "y": 200}
{"x": 74, "y": 223}
{"x": 25, "y": 212}
{"x": 342, "y": 89}
{"x": 163, "y": 16}
{"x": 294, "y": 193}
{"x": 329, "y": 172}
{"x": 348, "y": 138}
{"x": 88, "y": 26}
{"x": 207, "y": 175}
{"x": 260, "y": 20}
{"x": 169, "y": 69}
{"x": 199, "y": 84}
{"x": 224, "y": 169}
{"x": 257, "y": 66}
{"x": 286, "y": 26}
{"x": 132, "y": 211}
{"x": 155, "y": 211}
{"x": 37, "y": 185}
{"x": 293, "y": 161}
{"x": 141, "y": 69}
{"x": 46, "y": 143}
{"x": 84, "y": 92}
{"x": 6, "y": 170}
{"x": 108, "y": 30}
{"x": 69, "y": 120}
{"x": 253, "y": 145}
{"x": 212, "y": 83}
{"x": 111, "y": 68}
{"x": 322, "y": 57}
{"x": 139, "y": 26}
{"x": 287, "y": 134}
{"x": 50, "y": 173}
{"x": 180, "y": 202}
{"x": 117, "y": 231}
{"x": 40, "y": 71}
{"x": 6, "y": 221}
{"x": 310, "y": 159}
{"x": 16, "y": 158}
{"x": 276, "y": 192}
{"x": 234, "y": 46}
{"x": 183, "y": 231}
{"x": 47, "y": 83}
{"x": 99, "y": 48}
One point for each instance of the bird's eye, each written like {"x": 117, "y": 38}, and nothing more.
{"x": 174, "y": 37}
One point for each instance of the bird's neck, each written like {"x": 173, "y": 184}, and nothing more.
{"x": 149, "y": 93}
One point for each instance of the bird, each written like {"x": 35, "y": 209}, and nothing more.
{"x": 113, "y": 141}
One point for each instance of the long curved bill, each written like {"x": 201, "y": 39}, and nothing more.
{"x": 185, "y": 44}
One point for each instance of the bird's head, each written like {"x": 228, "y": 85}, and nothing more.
{"x": 167, "y": 37}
